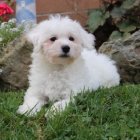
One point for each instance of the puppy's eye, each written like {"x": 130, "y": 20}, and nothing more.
{"x": 71, "y": 38}
{"x": 53, "y": 38}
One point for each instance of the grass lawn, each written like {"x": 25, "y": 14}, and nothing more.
{"x": 107, "y": 114}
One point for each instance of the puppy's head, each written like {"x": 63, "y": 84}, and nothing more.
{"x": 60, "y": 39}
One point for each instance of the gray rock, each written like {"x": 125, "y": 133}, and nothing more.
{"x": 14, "y": 64}
{"x": 16, "y": 58}
{"x": 126, "y": 53}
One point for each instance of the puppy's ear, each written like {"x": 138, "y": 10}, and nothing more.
{"x": 33, "y": 36}
{"x": 88, "y": 39}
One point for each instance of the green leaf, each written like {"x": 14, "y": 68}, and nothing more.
{"x": 117, "y": 12}
{"x": 126, "y": 35}
{"x": 126, "y": 26}
{"x": 97, "y": 18}
{"x": 115, "y": 35}
{"x": 128, "y": 4}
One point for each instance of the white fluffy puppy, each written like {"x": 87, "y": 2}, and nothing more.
{"x": 64, "y": 62}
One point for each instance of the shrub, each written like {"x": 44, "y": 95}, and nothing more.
{"x": 9, "y": 31}
{"x": 115, "y": 19}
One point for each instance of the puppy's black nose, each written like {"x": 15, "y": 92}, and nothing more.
{"x": 65, "y": 49}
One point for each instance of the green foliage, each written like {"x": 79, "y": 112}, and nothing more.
{"x": 106, "y": 114}
{"x": 128, "y": 4}
{"x": 126, "y": 26}
{"x": 97, "y": 18}
{"x": 8, "y": 32}
{"x": 123, "y": 15}
{"x": 115, "y": 35}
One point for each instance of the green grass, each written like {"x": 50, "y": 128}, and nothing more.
{"x": 107, "y": 114}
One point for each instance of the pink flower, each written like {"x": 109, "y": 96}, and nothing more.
{"x": 5, "y": 9}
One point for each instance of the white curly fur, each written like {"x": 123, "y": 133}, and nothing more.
{"x": 56, "y": 77}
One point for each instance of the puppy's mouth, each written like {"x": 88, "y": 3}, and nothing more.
{"x": 64, "y": 56}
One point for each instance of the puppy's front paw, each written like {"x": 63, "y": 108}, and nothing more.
{"x": 24, "y": 109}
{"x": 56, "y": 108}
{"x": 51, "y": 112}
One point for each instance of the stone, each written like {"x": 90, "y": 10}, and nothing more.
{"x": 15, "y": 59}
{"x": 126, "y": 53}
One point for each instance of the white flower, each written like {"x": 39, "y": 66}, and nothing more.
{"x": 3, "y": 25}
{"x": 13, "y": 20}
{"x": 14, "y": 29}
